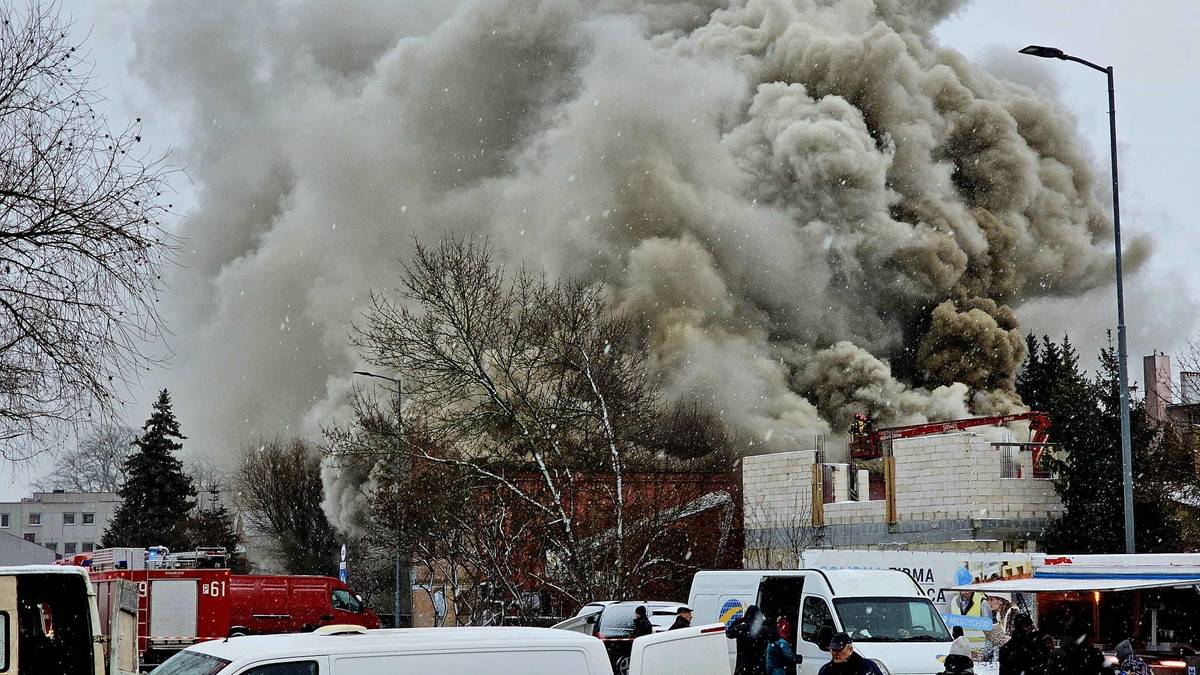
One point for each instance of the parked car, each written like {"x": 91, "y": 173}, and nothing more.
{"x": 612, "y": 622}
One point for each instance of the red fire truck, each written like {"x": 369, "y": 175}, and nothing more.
{"x": 189, "y": 597}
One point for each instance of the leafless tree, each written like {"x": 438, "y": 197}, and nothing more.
{"x": 778, "y": 531}
{"x": 538, "y": 395}
{"x": 81, "y": 243}
{"x": 279, "y": 491}
{"x": 97, "y": 464}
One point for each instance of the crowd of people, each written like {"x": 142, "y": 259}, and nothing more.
{"x": 765, "y": 647}
{"x": 1016, "y": 644}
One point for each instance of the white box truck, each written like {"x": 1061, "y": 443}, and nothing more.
{"x": 889, "y": 616}
{"x": 50, "y": 623}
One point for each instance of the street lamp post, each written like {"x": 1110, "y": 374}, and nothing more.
{"x": 403, "y": 601}
{"x": 1122, "y": 370}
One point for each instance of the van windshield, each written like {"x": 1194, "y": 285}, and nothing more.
{"x": 891, "y": 620}
{"x": 190, "y": 663}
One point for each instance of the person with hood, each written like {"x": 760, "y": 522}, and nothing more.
{"x": 752, "y": 640}
{"x": 683, "y": 618}
{"x": 958, "y": 661}
{"x": 780, "y": 654}
{"x": 1026, "y": 652}
{"x": 1131, "y": 664}
{"x": 845, "y": 661}
{"x": 1076, "y": 654}
{"x": 641, "y": 623}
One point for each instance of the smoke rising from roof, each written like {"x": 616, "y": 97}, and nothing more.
{"x": 815, "y": 208}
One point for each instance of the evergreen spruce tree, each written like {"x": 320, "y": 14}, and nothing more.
{"x": 158, "y": 496}
{"x": 1086, "y": 426}
{"x": 213, "y": 525}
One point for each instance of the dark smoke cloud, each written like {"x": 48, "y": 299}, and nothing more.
{"x": 815, "y": 207}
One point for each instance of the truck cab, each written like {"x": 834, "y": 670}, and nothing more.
{"x": 270, "y": 603}
{"x": 885, "y": 612}
{"x": 49, "y": 623}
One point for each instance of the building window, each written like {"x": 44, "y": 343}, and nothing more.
{"x": 35, "y": 520}
{"x": 87, "y": 547}
{"x": 69, "y": 548}
{"x": 89, "y": 518}
{"x": 68, "y": 519}
{"x": 3, "y": 520}
{"x": 53, "y": 546}
{"x": 31, "y": 537}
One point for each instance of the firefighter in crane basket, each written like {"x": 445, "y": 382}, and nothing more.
{"x": 860, "y": 433}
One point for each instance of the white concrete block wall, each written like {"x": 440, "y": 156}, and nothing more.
{"x": 951, "y": 476}
{"x": 777, "y": 489}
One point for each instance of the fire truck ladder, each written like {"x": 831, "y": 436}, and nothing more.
{"x": 869, "y": 445}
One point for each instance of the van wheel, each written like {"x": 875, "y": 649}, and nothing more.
{"x": 238, "y": 632}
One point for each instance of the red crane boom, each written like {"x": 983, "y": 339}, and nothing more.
{"x": 868, "y": 443}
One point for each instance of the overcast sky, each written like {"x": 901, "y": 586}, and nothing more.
{"x": 1151, "y": 44}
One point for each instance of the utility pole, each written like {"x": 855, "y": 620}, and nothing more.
{"x": 1122, "y": 353}
{"x": 403, "y": 589}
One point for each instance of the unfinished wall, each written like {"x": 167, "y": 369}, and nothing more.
{"x": 950, "y": 495}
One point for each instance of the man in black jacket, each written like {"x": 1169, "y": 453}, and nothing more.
{"x": 845, "y": 661}
{"x": 641, "y": 623}
{"x": 683, "y": 618}
{"x": 1026, "y": 652}
{"x": 752, "y": 641}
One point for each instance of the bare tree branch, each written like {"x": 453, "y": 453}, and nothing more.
{"x": 81, "y": 242}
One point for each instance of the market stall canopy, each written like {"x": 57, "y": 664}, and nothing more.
{"x": 1075, "y": 584}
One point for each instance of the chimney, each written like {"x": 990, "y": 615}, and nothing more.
{"x": 1156, "y": 370}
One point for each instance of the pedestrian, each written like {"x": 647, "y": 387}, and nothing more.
{"x": 845, "y": 661}
{"x": 1004, "y": 612}
{"x": 641, "y": 623}
{"x": 1026, "y": 652}
{"x": 1131, "y": 664}
{"x": 784, "y": 626}
{"x": 780, "y": 654}
{"x": 958, "y": 661}
{"x": 683, "y": 618}
{"x": 752, "y": 641}
{"x": 1076, "y": 654}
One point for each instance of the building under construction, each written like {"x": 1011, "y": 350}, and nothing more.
{"x": 979, "y": 487}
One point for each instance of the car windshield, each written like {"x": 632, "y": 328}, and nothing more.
{"x": 190, "y": 663}
{"x": 891, "y": 620}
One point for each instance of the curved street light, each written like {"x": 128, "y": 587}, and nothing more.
{"x": 1122, "y": 371}
{"x": 403, "y": 599}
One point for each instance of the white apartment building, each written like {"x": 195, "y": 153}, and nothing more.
{"x": 64, "y": 522}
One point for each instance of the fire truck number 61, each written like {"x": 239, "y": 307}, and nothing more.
{"x": 216, "y": 589}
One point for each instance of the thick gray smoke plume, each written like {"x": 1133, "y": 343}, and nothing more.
{"x": 815, "y": 208}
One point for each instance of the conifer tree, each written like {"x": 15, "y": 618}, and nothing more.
{"x": 212, "y": 525}
{"x": 1085, "y": 416}
{"x": 158, "y": 496}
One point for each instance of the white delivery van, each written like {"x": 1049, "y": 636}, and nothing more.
{"x": 353, "y": 650}
{"x": 885, "y": 612}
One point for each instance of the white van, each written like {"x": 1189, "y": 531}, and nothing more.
{"x": 885, "y": 612}
{"x": 352, "y": 650}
